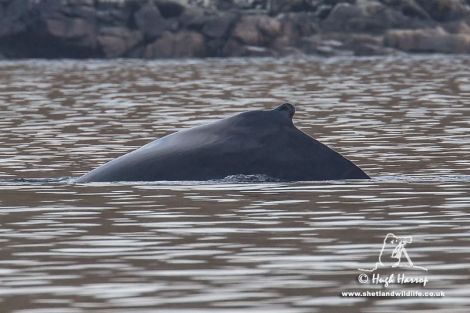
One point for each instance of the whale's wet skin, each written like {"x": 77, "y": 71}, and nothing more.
{"x": 257, "y": 142}
{"x": 243, "y": 242}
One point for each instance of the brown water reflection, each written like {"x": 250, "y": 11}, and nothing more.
{"x": 226, "y": 246}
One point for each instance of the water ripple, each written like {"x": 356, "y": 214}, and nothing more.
{"x": 246, "y": 244}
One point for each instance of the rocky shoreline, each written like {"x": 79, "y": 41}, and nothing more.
{"x": 154, "y": 29}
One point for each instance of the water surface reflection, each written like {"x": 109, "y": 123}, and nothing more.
{"x": 229, "y": 246}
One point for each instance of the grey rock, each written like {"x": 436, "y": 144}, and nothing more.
{"x": 323, "y": 11}
{"x": 118, "y": 41}
{"x": 289, "y": 51}
{"x": 234, "y": 48}
{"x": 256, "y": 30}
{"x": 149, "y": 21}
{"x": 269, "y": 26}
{"x": 170, "y": 9}
{"x": 242, "y": 4}
{"x": 258, "y": 51}
{"x": 279, "y": 6}
{"x": 77, "y": 30}
{"x": 247, "y": 31}
{"x": 218, "y": 26}
{"x": 341, "y": 17}
{"x": 193, "y": 18}
{"x": 428, "y": 40}
{"x": 15, "y": 19}
{"x": 186, "y": 28}
{"x": 365, "y": 16}
{"x": 184, "y": 44}
{"x": 254, "y": 51}
{"x": 458, "y": 27}
{"x": 409, "y": 8}
{"x": 117, "y": 15}
{"x": 318, "y": 44}
{"x": 367, "y": 45}
{"x": 445, "y": 10}
{"x": 298, "y": 25}
{"x": 69, "y": 28}
{"x": 294, "y": 26}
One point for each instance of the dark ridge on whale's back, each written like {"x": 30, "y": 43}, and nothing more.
{"x": 258, "y": 142}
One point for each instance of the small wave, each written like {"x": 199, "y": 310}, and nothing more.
{"x": 231, "y": 179}
{"x": 422, "y": 178}
{"x": 36, "y": 181}
{"x": 241, "y": 178}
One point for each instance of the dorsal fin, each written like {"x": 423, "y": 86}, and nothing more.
{"x": 289, "y": 108}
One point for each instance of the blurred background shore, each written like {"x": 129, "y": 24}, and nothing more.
{"x": 157, "y": 29}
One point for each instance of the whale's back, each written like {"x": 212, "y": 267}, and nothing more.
{"x": 250, "y": 143}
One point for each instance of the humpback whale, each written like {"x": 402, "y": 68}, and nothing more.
{"x": 257, "y": 142}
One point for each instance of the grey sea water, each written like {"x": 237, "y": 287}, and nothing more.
{"x": 231, "y": 245}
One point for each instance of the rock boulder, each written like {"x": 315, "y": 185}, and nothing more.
{"x": 432, "y": 40}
